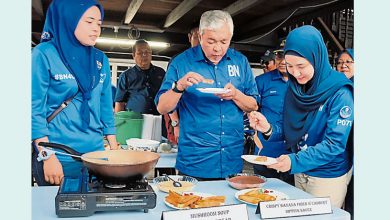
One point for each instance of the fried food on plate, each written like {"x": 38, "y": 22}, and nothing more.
{"x": 255, "y": 196}
{"x": 193, "y": 201}
{"x": 261, "y": 159}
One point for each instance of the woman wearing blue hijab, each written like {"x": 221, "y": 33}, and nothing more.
{"x": 66, "y": 64}
{"x": 317, "y": 119}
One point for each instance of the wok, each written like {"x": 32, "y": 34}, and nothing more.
{"x": 121, "y": 164}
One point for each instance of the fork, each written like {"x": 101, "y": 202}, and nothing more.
{"x": 257, "y": 142}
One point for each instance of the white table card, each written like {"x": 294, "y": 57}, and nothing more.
{"x": 294, "y": 207}
{"x": 227, "y": 212}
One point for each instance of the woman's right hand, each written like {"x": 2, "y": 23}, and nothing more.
{"x": 258, "y": 121}
{"x": 52, "y": 170}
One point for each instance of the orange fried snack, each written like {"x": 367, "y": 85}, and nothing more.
{"x": 255, "y": 196}
{"x": 209, "y": 202}
{"x": 261, "y": 159}
{"x": 208, "y": 81}
{"x": 193, "y": 201}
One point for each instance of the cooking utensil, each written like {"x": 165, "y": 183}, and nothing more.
{"x": 45, "y": 152}
{"x": 121, "y": 164}
{"x": 175, "y": 183}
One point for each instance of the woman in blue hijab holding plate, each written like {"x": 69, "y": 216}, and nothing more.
{"x": 67, "y": 67}
{"x": 317, "y": 119}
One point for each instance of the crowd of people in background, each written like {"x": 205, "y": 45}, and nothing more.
{"x": 301, "y": 106}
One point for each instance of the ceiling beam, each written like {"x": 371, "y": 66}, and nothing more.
{"x": 249, "y": 47}
{"x": 300, "y": 15}
{"x": 141, "y": 27}
{"x": 239, "y": 6}
{"x": 180, "y": 11}
{"x": 279, "y": 15}
{"x": 37, "y": 6}
{"x": 132, "y": 10}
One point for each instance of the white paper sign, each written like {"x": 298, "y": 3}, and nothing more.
{"x": 294, "y": 207}
{"x": 227, "y": 212}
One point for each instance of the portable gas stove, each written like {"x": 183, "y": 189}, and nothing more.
{"x": 84, "y": 195}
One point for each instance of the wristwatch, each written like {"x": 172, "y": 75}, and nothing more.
{"x": 44, "y": 154}
{"x": 174, "y": 123}
{"x": 175, "y": 89}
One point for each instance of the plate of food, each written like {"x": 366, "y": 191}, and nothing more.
{"x": 214, "y": 90}
{"x": 261, "y": 160}
{"x": 254, "y": 196}
{"x": 193, "y": 200}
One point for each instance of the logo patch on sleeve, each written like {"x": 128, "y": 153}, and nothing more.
{"x": 345, "y": 112}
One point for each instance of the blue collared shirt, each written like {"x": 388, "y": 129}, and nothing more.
{"x": 272, "y": 90}
{"x": 138, "y": 88}
{"x": 211, "y": 129}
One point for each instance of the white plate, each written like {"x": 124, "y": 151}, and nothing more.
{"x": 277, "y": 194}
{"x": 251, "y": 159}
{"x": 214, "y": 90}
{"x": 194, "y": 193}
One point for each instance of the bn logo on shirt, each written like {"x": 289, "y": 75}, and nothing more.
{"x": 233, "y": 70}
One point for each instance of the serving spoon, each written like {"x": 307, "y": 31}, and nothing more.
{"x": 175, "y": 183}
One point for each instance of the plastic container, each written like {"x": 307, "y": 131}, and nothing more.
{"x": 142, "y": 144}
{"x": 128, "y": 125}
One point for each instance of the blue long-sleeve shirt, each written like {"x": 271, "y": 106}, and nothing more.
{"x": 211, "y": 129}
{"x": 322, "y": 150}
{"x": 272, "y": 90}
{"x": 52, "y": 84}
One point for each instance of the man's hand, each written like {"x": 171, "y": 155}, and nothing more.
{"x": 229, "y": 95}
{"x": 188, "y": 80}
{"x": 52, "y": 170}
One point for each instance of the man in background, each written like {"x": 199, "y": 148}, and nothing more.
{"x": 138, "y": 85}
{"x": 272, "y": 87}
{"x": 268, "y": 61}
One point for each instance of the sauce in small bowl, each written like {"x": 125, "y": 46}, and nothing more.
{"x": 246, "y": 181}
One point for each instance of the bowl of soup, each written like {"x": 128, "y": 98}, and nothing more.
{"x": 165, "y": 185}
{"x": 246, "y": 181}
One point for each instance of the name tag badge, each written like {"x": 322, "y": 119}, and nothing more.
{"x": 227, "y": 212}
{"x": 294, "y": 207}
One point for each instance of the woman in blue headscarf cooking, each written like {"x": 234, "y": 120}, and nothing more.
{"x": 318, "y": 115}
{"x": 64, "y": 65}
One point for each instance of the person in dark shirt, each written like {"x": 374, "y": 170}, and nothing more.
{"x": 138, "y": 85}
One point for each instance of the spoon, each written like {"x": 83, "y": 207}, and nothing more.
{"x": 175, "y": 183}
{"x": 257, "y": 142}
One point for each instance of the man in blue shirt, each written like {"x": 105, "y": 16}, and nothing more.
{"x": 138, "y": 85}
{"x": 272, "y": 88}
{"x": 211, "y": 133}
